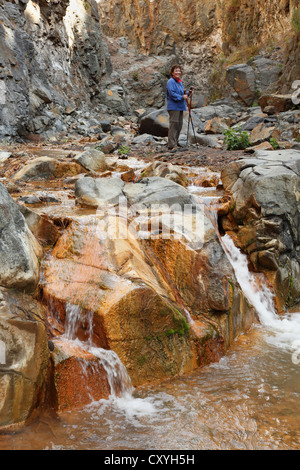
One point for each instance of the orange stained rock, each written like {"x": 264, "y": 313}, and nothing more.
{"x": 79, "y": 376}
{"x": 83, "y": 285}
{"x": 224, "y": 208}
{"x": 82, "y": 243}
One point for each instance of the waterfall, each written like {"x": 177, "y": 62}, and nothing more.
{"x": 118, "y": 378}
{"x": 284, "y": 331}
{"x": 121, "y": 397}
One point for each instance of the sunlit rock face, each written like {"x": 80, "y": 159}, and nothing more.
{"x": 165, "y": 304}
{"x": 52, "y": 59}
{"x": 199, "y": 33}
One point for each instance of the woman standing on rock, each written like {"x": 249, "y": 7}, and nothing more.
{"x": 176, "y": 104}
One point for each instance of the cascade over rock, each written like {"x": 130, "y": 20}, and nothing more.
{"x": 116, "y": 275}
{"x": 139, "y": 289}
{"x": 264, "y": 216}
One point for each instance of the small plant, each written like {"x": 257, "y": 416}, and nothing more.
{"x": 124, "y": 150}
{"x": 135, "y": 75}
{"x": 87, "y": 5}
{"x": 236, "y": 139}
{"x": 274, "y": 143}
{"x": 296, "y": 20}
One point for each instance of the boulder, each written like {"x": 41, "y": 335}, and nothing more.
{"x": 41, "y": 226}
{"x": 46, "y": 168}
{"x": 138, "y": 287}
{"x": 168, "y": 171}
{"x": 157, "y": 190}
{"x": 279, "y": 103}
{"x": 242, "y": 79}
{"x": 265, "y": 206}
{"x": 216, "y": 125}
{"x": 267, "y": 73}
{"x": 19, "y": 250}
{"x": 253, "y": 122}
{"x": 92, "y": 160}
{"x": 24, "y": 359}
{"x": 261, "y": 133}
{"x": 155, "y": 123}
{"x": 207, "y": 179}
{"x": 144, "y": 139}
{"x": 98, "y": 192}
{"x": 78, "y": 375}
{"x": 215, "y": 110}
{"x": 114, "y": 98}
{"x": 111, "y": 279}
{"x": 128, "y": 176}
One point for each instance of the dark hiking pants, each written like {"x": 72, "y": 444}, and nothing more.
{"x": 175, "y": 126}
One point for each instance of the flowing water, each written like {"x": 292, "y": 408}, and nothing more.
{"x": 250, "y": 399}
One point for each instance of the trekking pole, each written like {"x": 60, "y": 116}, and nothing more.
{"x": 190, "y": 120}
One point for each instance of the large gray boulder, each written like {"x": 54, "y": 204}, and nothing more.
{"x": 267, "y": 73}
{"x": 242, "y": 79}
{"x": 92, "y": 159}
{"x": 272, "y": 178}
{"x": 155, "y": 123}
{"x": 19, "y": 250}
{"x": 97, "y": 192}
{"x": 157, "y": 190}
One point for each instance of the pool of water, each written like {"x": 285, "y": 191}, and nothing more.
{"x": 248, "y": 400}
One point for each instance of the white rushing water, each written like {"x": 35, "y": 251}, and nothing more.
{"x": 284, "y": 331}
{"x": 121, "y": 389}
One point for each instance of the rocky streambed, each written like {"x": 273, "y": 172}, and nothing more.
{"x": 120, "y": 254}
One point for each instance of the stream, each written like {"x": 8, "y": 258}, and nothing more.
{"x": 249, "y": 400}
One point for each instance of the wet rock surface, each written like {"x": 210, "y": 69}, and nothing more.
{"x": 265, "y": 217}
{"x": 24, "y": 368}
{"x": 164, "y": 305}
{"x": 84, "y": 159}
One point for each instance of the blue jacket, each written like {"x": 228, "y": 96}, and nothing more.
{"x": 175, "y": 92}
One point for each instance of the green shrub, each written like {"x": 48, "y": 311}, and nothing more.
{"x": 274, "y": 143}
{"x": 124, "y": 150}
{"x": 296, "y": 20}
{"x": 236, "y": 139}
{"x": 135, "y": 75}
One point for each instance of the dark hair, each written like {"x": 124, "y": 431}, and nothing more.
{"x": 175, "y": 66}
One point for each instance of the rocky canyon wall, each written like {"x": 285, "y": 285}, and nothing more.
{"x": 202, "y": 34}
{"x": 52, "y": 59}
{"x": 61, "y": 56}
